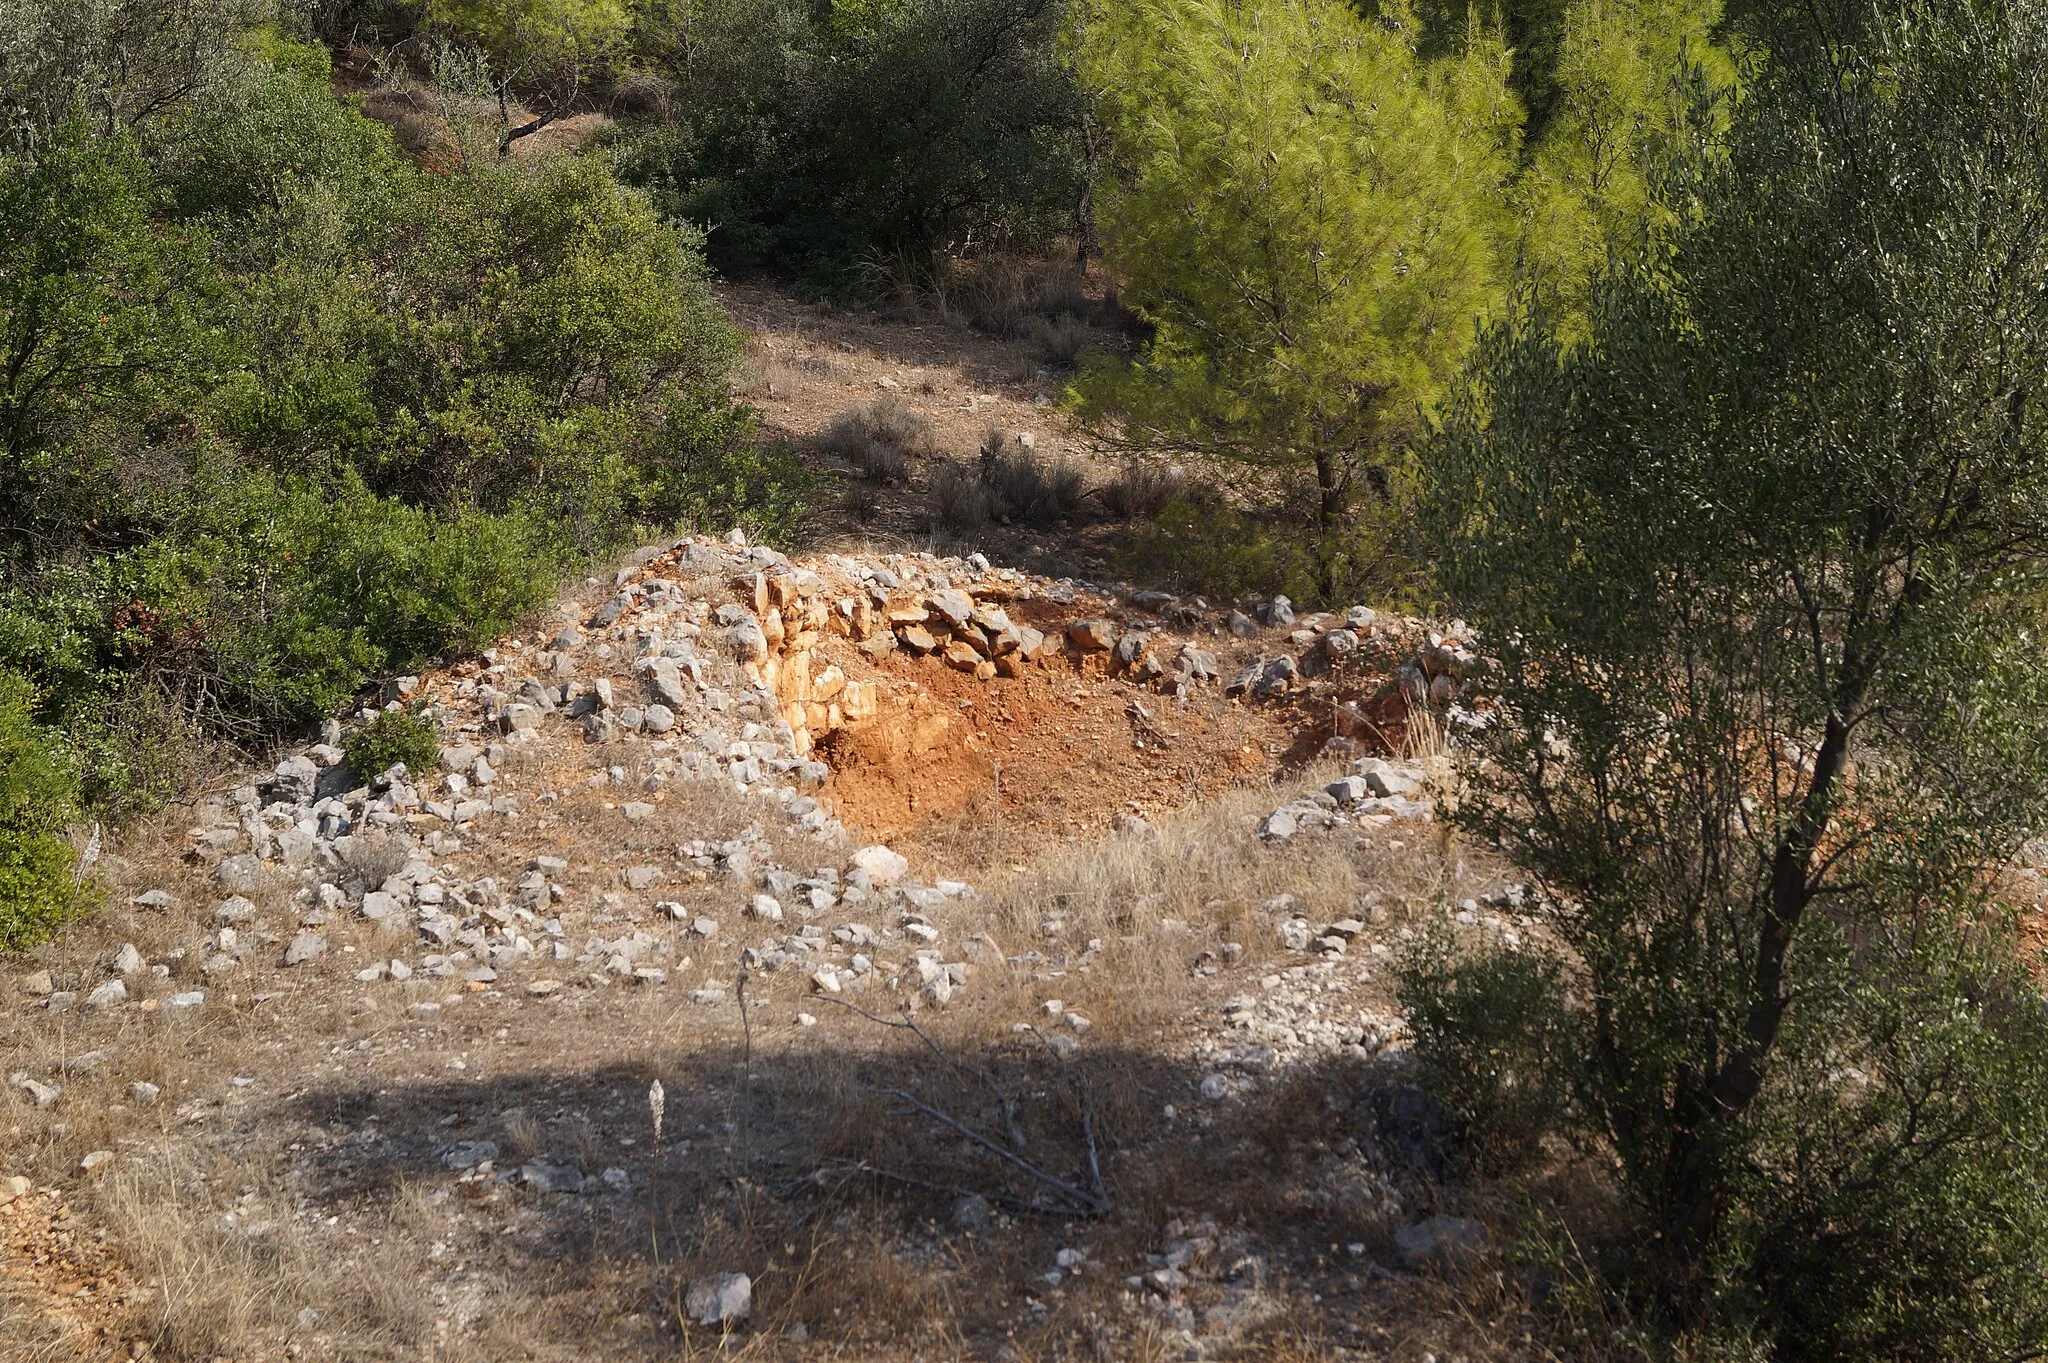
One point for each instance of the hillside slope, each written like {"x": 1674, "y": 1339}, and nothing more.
{"x": 1014, "y": 985}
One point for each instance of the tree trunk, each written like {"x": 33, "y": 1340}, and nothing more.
{"x": 1330, "y": 491}
{"x": 1696, "y": 1191}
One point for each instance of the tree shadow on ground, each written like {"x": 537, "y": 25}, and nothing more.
{"x": 894, "y": 1198}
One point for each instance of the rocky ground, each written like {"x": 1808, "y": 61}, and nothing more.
{"x": 874, "y": 954}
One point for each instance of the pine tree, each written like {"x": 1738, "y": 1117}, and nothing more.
{"x": 1309, "y": 216}
{"x": 1637, "y": 84}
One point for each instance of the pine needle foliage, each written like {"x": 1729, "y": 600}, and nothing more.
{"x": 1308, "y": 216}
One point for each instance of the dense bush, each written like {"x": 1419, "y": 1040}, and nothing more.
{"x": 392, "y": 737}
{"x": 279, "y": 412}
{"x": 1202, "y": 540}
{"x": 1486, "y": 1033}
{"x": 38, "y": 797}
{"x": 826, "y": 140}
{"x": 1760, "y": 558}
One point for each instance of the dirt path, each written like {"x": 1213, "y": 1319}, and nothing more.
{"x": 805, "y": 366}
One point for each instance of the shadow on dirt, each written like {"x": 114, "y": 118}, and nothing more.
{"x": 871, "y": 1192}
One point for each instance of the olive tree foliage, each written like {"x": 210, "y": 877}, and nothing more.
{"x": 1762, "y": 558}
{"x": 1308, "y": 215}
{"x": 119, "y": 63}
{"x": 843, "y": 140}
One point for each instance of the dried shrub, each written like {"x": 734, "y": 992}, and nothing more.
{"x": 1011, "y": 297}
{"x": 862, "y": 502}
{"x": 1141, "y": 490}
{"x": 959, "y": 500}
{"x": 880, "y": 439}
{"x": 1061, "y": 339}
{"x": 1026, "y": 488}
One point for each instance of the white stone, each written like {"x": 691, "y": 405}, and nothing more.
{"x": 884, "y": 867}
{"x": 718, "y": 1298}
{"x": 304, "y": 947}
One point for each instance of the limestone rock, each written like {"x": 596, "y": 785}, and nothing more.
{"x": 304, "y": 947}
{"x": 884, "y": 867}
{"x": 956, "y": 606}
{"x": 719, "y": 1298}
{"x": 241, "y": 874}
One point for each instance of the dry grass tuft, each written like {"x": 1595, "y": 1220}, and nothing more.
{"x": 1141, "y": 490}
{"x": 1027, "y": 488}
{"x": 524, "y": 1135}
{"x": 959, "y": 499}
{"x": 880, "y": 439}
{"x": 27, "y": 1335}
{"x": 1013, "y": 297}
{"x": 777, "y": 374}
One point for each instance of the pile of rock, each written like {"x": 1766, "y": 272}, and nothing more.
{"x": 851, "y": 956}
{"x": 1374, "y": 791}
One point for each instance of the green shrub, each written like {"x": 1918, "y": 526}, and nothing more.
{"x": 391, "y": 737}
{"x": 827, "y": 139}
{"x": 1197, "y": 543}
{"x": 128, "y": 63}
{"x": 238, "y": 157}
{"x": 290, "y": 413}
{"x": 38, "y": 798}
{"x": 1488, "y": 1038}
{"x": 492, "y": 340}
{"x": 1757, "y": 555}
{"x": 703, "y": 471}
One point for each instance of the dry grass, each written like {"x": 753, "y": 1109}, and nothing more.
{"x": 1014, "y": 296}
{"x": 1160, "y": 898}
{"x": 779, "y": 1140}
{"x": 232, "y": 1263}
{"x": 27, "y": 1335}
{"x": 959, "y": 499}
{"x": 1012, "y": 484}
{"x": 1027, "y": 488}
{"x": 880, "y": 439}
{"x": 780, "y": 371}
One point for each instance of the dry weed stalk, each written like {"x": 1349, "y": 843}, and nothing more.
{"x": 1009, "y": 1145}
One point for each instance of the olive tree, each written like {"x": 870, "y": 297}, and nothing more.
{"x": 1761, "y": 554}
